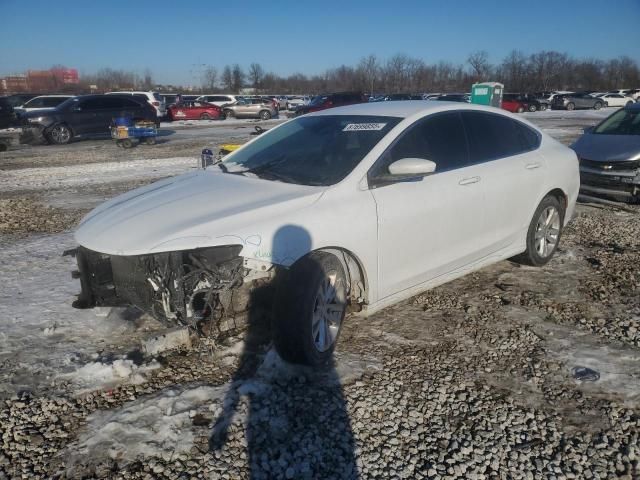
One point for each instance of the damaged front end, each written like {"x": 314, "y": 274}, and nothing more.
{"x": 207, "y": 289}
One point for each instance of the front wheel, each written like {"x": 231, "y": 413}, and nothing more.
{"x": 571, "y": 106}
{"x": 532, "y": 108}
{"x": 265, "y": 115}
{"x": 543, "y": 107}
{"x": 205, "y": 116}
{"x": 597, "y": 106}
{"x": 227, "y": 114}
{"x": 60, "y": 134}
{"x": 543, "y": 235}
{"x": 309, "y": 311}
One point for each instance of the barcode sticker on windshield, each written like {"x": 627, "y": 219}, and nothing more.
{"x": 359, "y": 127}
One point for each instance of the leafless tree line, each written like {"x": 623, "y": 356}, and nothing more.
{"x": 545, "y": 70}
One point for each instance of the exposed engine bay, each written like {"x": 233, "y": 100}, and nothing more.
{"x": 197, "y": 288}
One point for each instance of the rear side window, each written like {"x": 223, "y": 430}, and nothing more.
{"x": 439, "y": 138}
{"x": 52, "y": 101}
{"x": 494, "y": 136}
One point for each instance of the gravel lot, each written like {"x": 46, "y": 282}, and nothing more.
{"x": 469, "y": 380}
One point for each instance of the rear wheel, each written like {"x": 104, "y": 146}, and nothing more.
{"x": 571, "y": 106}
{"x": 205, "y": 116}
{"x": 532, "y": 108}
{"x": 309, "y": 309}
{"x": 127, "y": 143}
{"x": 59, "y": 134}
{"x": 597, "y": 106}
{"x": 543, "y": 107}
{"x": 543, "y": 235}
{"x": 227, "y": 114}
{"x": 265, "y": 115}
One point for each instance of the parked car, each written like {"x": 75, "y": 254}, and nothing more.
{"x": 535, "y": 103}
{"x": 550, "y": 95}
{"x": 18, "y": 99}
{"x": 154, "y": 98}
{"x": 609, "y": 155}
{"x": 218, "y": 99}
{"x": 194, "y": 110}
{"x": 336, "y": 209}
{"x": 453, "y": 97}
{"x": 616, "y": 100}
{"x": 297, "y": 101}
{"x": 7, "y": 115}
{"x": 250, "y": 108}
{"x": 331, "y": 100}
{"x": 513, "y": 102}
{"x": 572, "y": 101}
{"x": 87, "y": 115}
{"x": 44, "y": 102}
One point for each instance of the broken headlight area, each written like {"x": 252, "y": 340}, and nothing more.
{"x": 207, "y": 289}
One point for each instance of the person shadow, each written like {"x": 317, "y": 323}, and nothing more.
{"x": 295, "y": 419}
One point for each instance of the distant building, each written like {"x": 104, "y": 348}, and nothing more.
{"x": 40, "y": 81}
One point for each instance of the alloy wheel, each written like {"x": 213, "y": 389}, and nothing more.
{"x": 328, "y": 312}
{"x": 60, "y": 134}
{"x": 547, "y": 232}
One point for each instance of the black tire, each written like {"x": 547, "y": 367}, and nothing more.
{"x": 531, "y": 255}
{"x": 227, "y": 114}
{"x": 571, "y": 106}
{"x": 205, "y": 116}
{"x": 265, "y": 114}
{"x": 298, "y": 298}
{"x": 150, "y": 140}
{"x": 597, "y": 106}
{"x": 543, "y": 108}
{"x": 59, "y": 134}
{"x": 533, "y": 108}
{"x": 127, "y": 143}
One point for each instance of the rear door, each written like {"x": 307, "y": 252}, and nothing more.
{"x": 513, "y": 174}
{"x": 84, "y": 116}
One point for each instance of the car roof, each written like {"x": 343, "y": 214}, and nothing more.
{"x": 403, "y": 109}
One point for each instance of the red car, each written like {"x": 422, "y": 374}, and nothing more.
{"x": 513, "y": 104}
{"x": 192, "y": 110}
{"x": 322, "y": 102}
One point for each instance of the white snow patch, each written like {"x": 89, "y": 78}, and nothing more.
{"x": 97, "y": 375}
{"x": 41, "y": 335}
{"x": 39, "y": 178}
{"x": 156, "y": 425}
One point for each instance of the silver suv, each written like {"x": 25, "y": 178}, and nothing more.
{"x": 572, "y": 101}
{"x": 250, "y": 108}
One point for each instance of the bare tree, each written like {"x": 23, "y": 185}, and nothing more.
{"x": 227, "y": 78}
{"x": 237, "y": 76}
{"x": 209, "y": 78}
{"x": 255, "y": 75}
{"x": 370, "y": 71}
{"x": 479, "y": 62}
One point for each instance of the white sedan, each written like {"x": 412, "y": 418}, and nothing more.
{"x": 616, "y": 100}
{"x": 341, "y": 211}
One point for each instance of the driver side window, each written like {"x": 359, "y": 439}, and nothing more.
{"x": 440, "y": 138}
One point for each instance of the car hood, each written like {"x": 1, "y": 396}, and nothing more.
{"x": 194, "y": 210}
{"x": 607, "y": 148}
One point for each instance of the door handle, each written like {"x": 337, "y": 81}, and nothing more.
{"x": 469, "y": 181}
{"x": 532, "y": 166}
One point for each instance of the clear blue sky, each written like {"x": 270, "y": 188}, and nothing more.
{"x": 173, "y": 38}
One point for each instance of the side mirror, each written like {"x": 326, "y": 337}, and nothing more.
{"x": 405, "y": 169}
{"x": 413, "y": 167}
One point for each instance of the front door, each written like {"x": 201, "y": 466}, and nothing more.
{"x": 429, "y": 226}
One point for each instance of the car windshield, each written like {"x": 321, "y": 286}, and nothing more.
{"x": 317, "y": 100}
{"x": 623, "y": 122}
{"x": 318, "y": 150}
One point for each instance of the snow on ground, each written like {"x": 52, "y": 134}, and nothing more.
{"x": 39, "y": 178}
{"x": 42, "y": 336}
{"x": 162, "y": 424}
